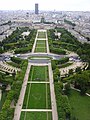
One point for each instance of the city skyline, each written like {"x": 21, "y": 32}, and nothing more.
{"x": 76, "y": 5}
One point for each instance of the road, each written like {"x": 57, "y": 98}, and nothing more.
{"x": 53, "y": 56}
{"x": 39, "y": 61}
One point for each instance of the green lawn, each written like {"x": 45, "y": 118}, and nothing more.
{"x": 40, "y": 45}
{"x": 38, "y": 73}
{"x": 40, "y": 57}
{"x": 41, "y": 41}
{"x": 41, "y": 50}
{"x": 41, "y": 34}
{"x": 80, "y": 105}
{"x": 37, "y": 96}
{"x": 36, "y": 116}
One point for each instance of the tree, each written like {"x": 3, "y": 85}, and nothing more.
{"x": 56, "y": 75}
{"x": 67, "y": 89}
{"x": 83, "y": 81}
{"x": 70, "y": 71}
{"x": 53, "y": 64}
{"x": 14, "y": 74}
{"x": 3, "y": 115}
{"x": 78, "y": 69}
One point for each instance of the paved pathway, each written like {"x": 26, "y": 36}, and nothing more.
{"x": 38, "y": 64}
{"x": 41, "y": 39}
{"x": 37, "y": 82}
{"x": 22, "y": 94}
{"x": 53, "y": 99}
{"x": 33, "y": 49}
{"x": 37, "y": 110}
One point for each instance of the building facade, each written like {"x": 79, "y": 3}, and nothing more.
{"x": 36, "y": 8}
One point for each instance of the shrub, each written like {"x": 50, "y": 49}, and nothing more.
{"x": 16, "y": 60}
{"x": 63, "y": 106}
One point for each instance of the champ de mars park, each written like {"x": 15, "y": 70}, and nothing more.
{"x": 45, "y": 83}
{"x": 44, "y": 75}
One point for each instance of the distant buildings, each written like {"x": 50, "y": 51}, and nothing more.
{"x": 36, "y": 8}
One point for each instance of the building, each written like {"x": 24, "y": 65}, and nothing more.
{"x": 36, "y": 8}
{"x": 42, "y": 19}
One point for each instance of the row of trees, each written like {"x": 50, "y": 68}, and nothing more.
{"x": 23, "y": 50}
{"x": 69, "y": 42}
{"x": 56, "y": 63}
{"x": 81, "y": 81}
{"x": 69, "y": 22}
{"x": 7, "y": 113}
{"x": 6, "y": 23}
{"x": 54, "y": 48}
{"x": 63, "y": 105}
{"x": 16, "y": 40}
{"x": 57, "y": 51}
{"x": 62, "y": 92}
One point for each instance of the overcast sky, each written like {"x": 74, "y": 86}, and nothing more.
{"x": 66, "y": 5}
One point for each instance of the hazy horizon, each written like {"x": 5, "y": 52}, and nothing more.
{"x": 69, "y": 5}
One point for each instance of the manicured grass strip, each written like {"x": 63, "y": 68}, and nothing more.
{"x": 41, "y": 41}
{"x": 41, "y": 34}
{"x": 41, "y": 50}
{"x": 80, "y": 105}
{"x": 39, "y": 57}
{"x": 36, "y": 116}
{"x": 48, "y": 97}
{"x": 39, "y": 73}
{"x": 26, "y": 97}
{"x": 37, "y": 97}
{"x": 41, "y": 45}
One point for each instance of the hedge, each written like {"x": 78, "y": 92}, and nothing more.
{"x": 63, "y": 106}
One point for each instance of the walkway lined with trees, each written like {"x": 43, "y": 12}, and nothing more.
{"x": 40, "y": 36}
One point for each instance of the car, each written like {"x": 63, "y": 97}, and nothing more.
{"x": 17, "y": 55}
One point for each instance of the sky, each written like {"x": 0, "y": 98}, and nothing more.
{"x": 58, "y": 5}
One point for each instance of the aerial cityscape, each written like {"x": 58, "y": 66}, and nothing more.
{"x": 45, "y": 60}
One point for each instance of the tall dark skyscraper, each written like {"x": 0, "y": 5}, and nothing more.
{"x": 36, "y": 8}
